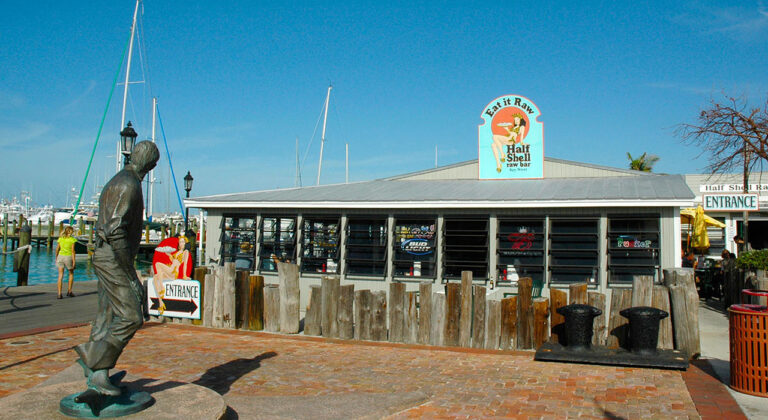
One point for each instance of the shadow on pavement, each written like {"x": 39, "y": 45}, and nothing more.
{"x": 220, "y": 378}
{"x": 711, "y": 366}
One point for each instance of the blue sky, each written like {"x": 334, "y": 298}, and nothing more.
{"x": 239, "y": 81}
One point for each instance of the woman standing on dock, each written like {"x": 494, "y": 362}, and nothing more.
{"x": 65, "y": 258}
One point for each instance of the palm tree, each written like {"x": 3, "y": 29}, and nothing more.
{"x": 643, "y": 163}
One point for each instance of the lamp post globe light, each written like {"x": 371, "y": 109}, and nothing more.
{"x": 187, "y": 187}
{"x": 127, "y": 141}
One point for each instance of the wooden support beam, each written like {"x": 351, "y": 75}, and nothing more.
{"x": 313, "y": 314}
{"x": 330, "y": 303}
{"x": 465, "y": 312}
{"x": 345, "y": 315}
{"x": 379, "y": 316}
{"x": 288, "y": 274}
{"x": 396, "y": 318}
{"x": 478, "y": 317}
{"x": 411, "y": 315}
{"x": 524, "y": 313}
{"x": 540, "y": 321}
{"x": 272, "y": 308}
{"x": 492, "y": 324}
{"x": 508, "y": 337}
{"x": 452, "y": 314}
{"x": 425, "y": 311}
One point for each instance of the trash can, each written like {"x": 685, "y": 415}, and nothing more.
{"x": 748, "y": 331}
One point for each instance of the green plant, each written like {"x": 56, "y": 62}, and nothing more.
{"x": 753, "y": 260}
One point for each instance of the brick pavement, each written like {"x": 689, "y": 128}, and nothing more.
{"x": 466, "y": 384}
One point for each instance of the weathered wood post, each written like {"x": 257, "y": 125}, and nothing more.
{"x": 49, "y": 241}
{"x": 329, "y": 307}
{"x": 228, "y": 296}
{"x": 199, "y": 274}
{"x": 21, "y": 256}
{"x": 540, "y": 321}
{"x": 411, "y": 315}
{"x": 379, "y": 316}
{"x": 618, "y": 325}
{"x": 312, "y": 317}
{"x": 577, "y": 293}
{"x": 437, "y": 326}
{"x": 684, "y": 302}
{"x": 290, "y": 315}
{"x": 598, "y": 324}
{"x": 557, "y": 321}
{"x": 396, "y": 318}
{"x": 345, "y": 315}
{"x": 525, "y": 313}
{"x": 661, "y": 301}
{"x": 452, "y": 314}
{"x": 478, "y": 317}
{"x": 492, "y": 324}
{"x": 39, "y": 227}
{"x": 642, "y": 290}
{"x": 256, "y": 303}
{"x": 5, "y": 233}
{"x": 209, "y": 298}
{"x": 271, "y": 308}
{"x": 425, "y": 311}
{"x": 242, "y": 298}
{"x": 363, "y": 315}
{"x": 465, "y": 316}
{"x": 508, "y": 338}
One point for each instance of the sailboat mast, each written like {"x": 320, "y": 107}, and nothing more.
{"x": 127, "y": 77}
{"x": 152, "y": 172}
{"x": 322, "y": 138}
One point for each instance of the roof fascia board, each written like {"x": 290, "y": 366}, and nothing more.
{"x": 442, "y": 204}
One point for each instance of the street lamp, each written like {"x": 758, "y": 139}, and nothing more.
{"x": 187, "y": 187}
{"x": 127, "y": 140}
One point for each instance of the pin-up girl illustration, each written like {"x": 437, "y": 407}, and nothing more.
{"x": 171, "y": 262}
{"x": 510, "y": 133}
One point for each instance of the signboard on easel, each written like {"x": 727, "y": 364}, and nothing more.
{"x": 170, "y": 292}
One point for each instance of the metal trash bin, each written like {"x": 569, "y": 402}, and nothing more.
{"x": 748, "y": 337}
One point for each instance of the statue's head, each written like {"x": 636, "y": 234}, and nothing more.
{"x": 144, "y": 157}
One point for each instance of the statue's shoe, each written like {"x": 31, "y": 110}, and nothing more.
{"x": 86, "y": 370}
{"x": 99, "y": 382}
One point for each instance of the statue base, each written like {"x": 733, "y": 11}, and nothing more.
{"x": 91, "y": 404}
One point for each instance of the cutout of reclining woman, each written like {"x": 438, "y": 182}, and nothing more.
{"x": 171, "y": 262}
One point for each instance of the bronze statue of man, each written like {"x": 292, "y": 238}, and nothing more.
{"x": 120, "y": 293}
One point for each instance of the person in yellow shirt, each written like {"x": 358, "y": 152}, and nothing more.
{"x": 65, "y": 258}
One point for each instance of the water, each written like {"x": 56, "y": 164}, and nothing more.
{"x": 42, "y": 268}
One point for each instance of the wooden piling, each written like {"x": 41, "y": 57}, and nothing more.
{"x": 452, "y": 314}
{"x": 661, "y": 301}
{"x": 313, "y": 315}
{"x": 242, "y": 298}
{"x": 5, "y": 232}
{"x": 49, "y": 241}
{"x": 540, "y": 321}
{"x": 396, "y": 318}
{"x": 557, "y": 321}
{"x": 577, "y": 293}
{"x": 598, "y": 324}
{"x": 21, "y": 257}
{"x": 509, "y": 320}
{"x": 345, "y": 315}
{"x": 228, "y": 296}
{"x": 684, "y": 302}
{"x": 492, "y": 324}
{"x": 379, "y": 316}
{"x": 478, "y": 317}
{"x": 618, "y": 326}
{"x": 425, "y": 311}
{"x": 329, "y": 308}
{"x": 199, "y": 274}
{"x": 465, "y": 314}
{"x": 208, "y": 299}
{"x": 642, "y": 290}
{"x": 271, "y": 308}
{"x": 363, "y": 314}
{"x": 524, "y": 313}
{"x": 411, "y": 315}
{"x": 288, "y": 275}
{"x": 437, "y": 327}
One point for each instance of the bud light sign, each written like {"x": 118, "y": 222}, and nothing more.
{"x": 416, "y": 246}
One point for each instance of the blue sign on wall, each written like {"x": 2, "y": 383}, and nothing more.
{"x": 511, "y": 140}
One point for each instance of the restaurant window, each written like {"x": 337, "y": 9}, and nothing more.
{"x": 366, "y": 247}
{"x": 238, "y": 239}
{"x": 633, "y": 247}
{"x": 320, "y": 244}
{"x": 573, "y": 251}
{"x": 278, "y": 239}
{"x": 520, "y": 250}
{"x": 465, "y": 247}
{"x": 414, "y": 247}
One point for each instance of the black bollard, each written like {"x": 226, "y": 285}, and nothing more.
{"x": 579, "y": 320}
{"x": 644, "y": 328}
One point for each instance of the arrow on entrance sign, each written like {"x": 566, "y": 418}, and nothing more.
{"x": 175, "y": 305}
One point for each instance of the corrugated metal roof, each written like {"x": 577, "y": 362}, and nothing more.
{"x": 637, "y": 190}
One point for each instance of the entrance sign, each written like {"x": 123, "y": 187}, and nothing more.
{"x": 180, "y": 297}
{"x": 731, "y": 202}
{"x": 511, "y": 140}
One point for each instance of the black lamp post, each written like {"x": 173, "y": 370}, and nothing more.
{"x": 127, "y": 141}
{"x": 187, "y": 187}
